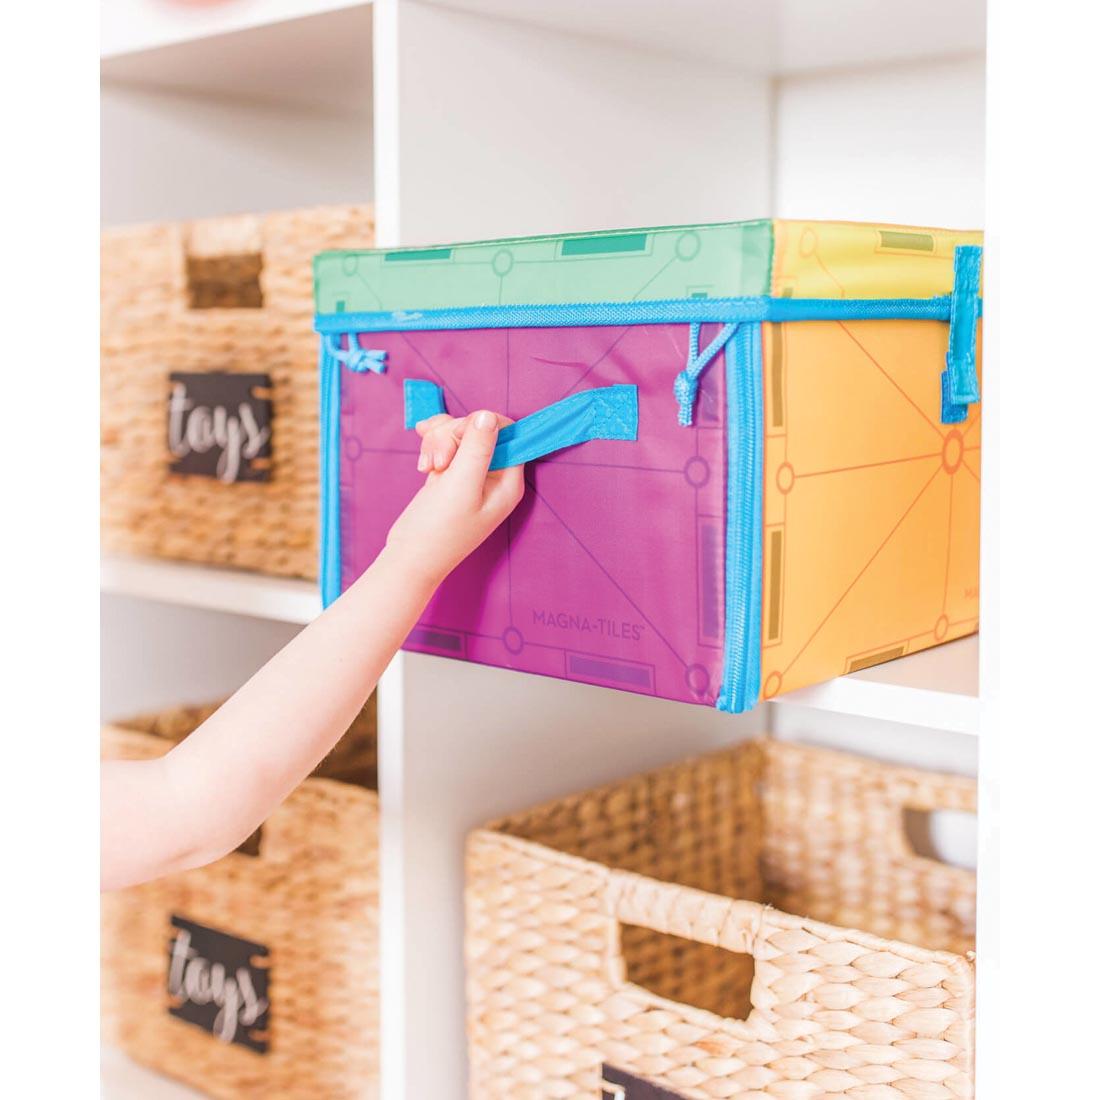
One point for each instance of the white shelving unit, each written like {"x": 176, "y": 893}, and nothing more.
{"x": 937, "y": 688}
{"x": 490, "y": 117}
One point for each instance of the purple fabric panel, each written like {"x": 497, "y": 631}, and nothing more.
{"x": 611, "y": 569}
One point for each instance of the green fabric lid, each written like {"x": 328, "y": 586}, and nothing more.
{"x": 730, "y": 260}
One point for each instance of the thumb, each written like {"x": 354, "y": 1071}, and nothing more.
{"x": 475, "y": 451}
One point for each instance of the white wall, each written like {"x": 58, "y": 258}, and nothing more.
{"x": 543, "y": 131}
{"x": 168, "y": 155}
{"x": 898, "y": 143}
{"x": 278, "y": 117}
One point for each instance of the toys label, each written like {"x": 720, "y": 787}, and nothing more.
{"x": 219, "y": 425}
{"x": 616, "y": 1084}
{"x": 219, "y": 983}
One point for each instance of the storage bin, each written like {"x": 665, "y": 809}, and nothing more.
{"x": 209, "y": 390}
{"x": 256, "y": 976}
{"x": 757, "y": 442}
{"x": 753, "y": 923}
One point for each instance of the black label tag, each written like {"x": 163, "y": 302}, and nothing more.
{"x": 219, "y": 983}
{"x": 219, "y": 425}
{"x": 619, "y": 1085}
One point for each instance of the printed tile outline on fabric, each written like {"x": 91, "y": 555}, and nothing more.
{"x": 697, "y": 677}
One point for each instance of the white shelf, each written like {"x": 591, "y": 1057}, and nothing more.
{"x": 937, "y": 688}
{"x": 131, "y": 26}
{"x": 277, "y": 598}
{"x": 123, "y": 1079}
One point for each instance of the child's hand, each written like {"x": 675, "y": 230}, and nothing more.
{"x": 439, "y": 439}
{"x": 461, "y": 503}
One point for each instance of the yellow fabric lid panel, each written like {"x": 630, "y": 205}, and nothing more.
{"x": 853, "y": 260}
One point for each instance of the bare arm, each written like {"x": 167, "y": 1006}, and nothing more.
{"x": 174, "y": 813}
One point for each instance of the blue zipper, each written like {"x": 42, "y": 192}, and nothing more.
{"x": 329, "y": 572}
{"x": 744, "y": 522}
{"x": 675, "y": 310}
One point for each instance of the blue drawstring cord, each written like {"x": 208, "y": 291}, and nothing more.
{"x": 354, "y": 357}
{"x": 686, "y": 385}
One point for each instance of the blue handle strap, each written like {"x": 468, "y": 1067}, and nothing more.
{"x": 609, "y": 412}
{"x": 959, "y": 382}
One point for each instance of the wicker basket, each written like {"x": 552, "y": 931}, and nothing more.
{"x": 306, "y": 890}
{"x": 628, "y": 936}
{"x": 226, "y": 296}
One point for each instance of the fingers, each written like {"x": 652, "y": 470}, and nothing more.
{"x": 440, "y": 442}
{"x": 471, "y": 462}
{"x": 441, "y": 437}
{"x": 504, "y": 490}
{"x": 422, "y": 427}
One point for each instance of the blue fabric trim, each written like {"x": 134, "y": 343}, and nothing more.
{"x": 683, "y": 310}
{"x": 329, "y": 573}
{"x": 686, "y": 384}
{"x": 609, "y": 412}
{"x": 950, "y": 413}
{"x": 354, "y": 357}
{"x": 422, "y": 400}
{"x": 961, "y": 376}
{"x": 744, "y": 523}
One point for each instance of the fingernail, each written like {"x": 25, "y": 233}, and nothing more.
{"x": 437, "y": 461}
{"x": 421, "y": 462}
{"x": 484, "y": 420}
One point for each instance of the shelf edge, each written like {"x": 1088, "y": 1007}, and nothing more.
{"x": 891, "y": 703}
{"x": 211, "y": 589}
{"x": 118, "y": 38}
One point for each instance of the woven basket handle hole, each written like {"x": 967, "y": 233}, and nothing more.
{"x": 230, "y": 281}
{"x": 949, "y": 837}
{"x": 699, "y": 975}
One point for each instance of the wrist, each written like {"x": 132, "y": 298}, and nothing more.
{"x": 416, "y": 572}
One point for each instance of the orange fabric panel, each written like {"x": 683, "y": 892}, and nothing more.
{"x": 871, "y": 504}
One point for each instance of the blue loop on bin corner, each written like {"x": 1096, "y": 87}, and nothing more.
{"x": 960, "y": 379}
